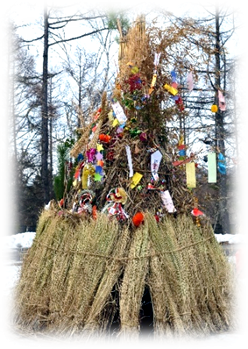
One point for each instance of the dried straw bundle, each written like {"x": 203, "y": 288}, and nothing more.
{"x": 76, "y": 268}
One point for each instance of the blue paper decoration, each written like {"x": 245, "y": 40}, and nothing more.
{"x": 221, "y": 164}
{"x": 173, "y": 76}
{"x": 182, "y": 152}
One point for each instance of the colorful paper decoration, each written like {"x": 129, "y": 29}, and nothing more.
{"x": 212, "y": 171}
{"x": 97, "y": 177}
{"x": 99, "y": 156}
{"x": 190, "y": 82}
{"x": 96, "y": 116}
{"x": 135, "y": 179}
{"x": 115, "y": 122}
{"x": 156, "y": 58}
{"x": 196, "y": 212}
{"x": 155, "y": 162}
{"x": 222, "y": 102}
{"x": 130, "y": 64}
{"x": 182, "y": 152}
{"x": 119, "y": 113}
{"x": 143, "y": 137}
{"x": 134, "y": 70}
{"x": 111, "y": 116}
{"x": 138, "y": 218}
{"x": 173, "y": 75}
{"x": 167, "y": 201}
{"x": 190, "y": 175}
{"x": 115, "y": 209}
{"x": 171, "y": 89}
{"x": 117, "y": 195}
{"x": 214, "y": 108}
{"x": 104, "y": 138}
{"x": 181, "y": 162}
{"x": 179, "y": 103}
{"x": 90, "y": 154}
{"x": 129, "y": 159}
{"x": 88, "y": 172}
{"x": 154, "y": 78}
{"x": 221, "y": 164}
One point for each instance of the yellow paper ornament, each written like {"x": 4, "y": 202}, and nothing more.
{"x": 135, "y": 179}
{"x": 88, "y": 171}
{"x": 134, "y": 70}
{"x": 214, "y": 108}
{"x": 171, "y": 89}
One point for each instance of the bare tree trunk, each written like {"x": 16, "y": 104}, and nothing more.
{"x": 7, "y": 109}
{"x": 13, "y": 113}
{"x": 236, "y": 128}
{"x": 51, "y": 115}
{"x": 44, "y": 113}
{"x": 223, "y": 215}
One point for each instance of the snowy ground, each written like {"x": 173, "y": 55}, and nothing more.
{"x": 16, "y": 245}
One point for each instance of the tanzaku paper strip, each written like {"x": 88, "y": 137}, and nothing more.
{"x": 190, "y": 175}
{"x": 212, "y": 171}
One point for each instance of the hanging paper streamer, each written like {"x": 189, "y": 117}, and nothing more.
{"x": 190, "y": 175}
{"x": 154, "y": 78}
{"x": 129, "y": 159}
{"x": 167, "y": 201}
{"x": 179, "y": 103}
{"x": 190, "y": 82}
{"x": 171, "y": 89}
{"x": 222, "y": 102}
{"x": 212, "y": 173}
{"x": 157, "y": 58}
{"x": 136, "y": 179}
{"x": 173, "y": 76}
{"x": 155, "y": 162}
{"x": 221, "y": 164}
{"x": 88, "y": 172}
{"x": 119, "y": 113}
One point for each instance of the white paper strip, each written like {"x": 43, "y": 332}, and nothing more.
{"x": 129, "y": 159}
{"x": 120, "y": 115}
{"x": 156, "y": 58}
{"x": 167, "y": 201}
{"x": 155, "y": 162}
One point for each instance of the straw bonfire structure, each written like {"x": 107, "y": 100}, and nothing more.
{"x": 114, "y": 237}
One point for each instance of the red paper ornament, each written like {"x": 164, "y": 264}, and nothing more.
{"x": 94, "y": 212}
{"x": 104, "y": 138}
{"x": 195, "y": 212}
{"x": 138, "y": 218}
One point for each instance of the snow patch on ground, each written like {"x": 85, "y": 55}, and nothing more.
{"x": 25, "y": 240}
{"x": 229, "y": 238}
{"x": 22, "y": 240}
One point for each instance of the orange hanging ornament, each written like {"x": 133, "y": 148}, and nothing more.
{"x": 214, "y": 108}
{"x": 94, "y": 212}
{"x": 138, "y": 218}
